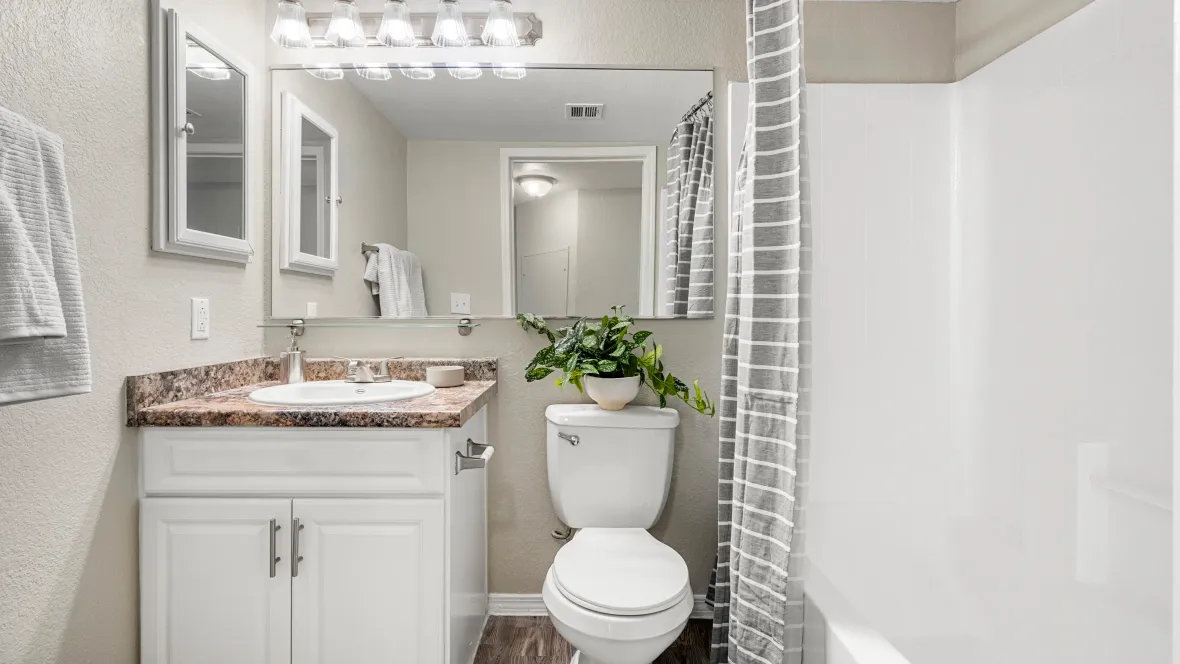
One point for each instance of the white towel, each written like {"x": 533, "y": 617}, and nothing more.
{"x": 51, "y": 367}
{"x": 30, "y": 308}
{"x": 395, "y": 277}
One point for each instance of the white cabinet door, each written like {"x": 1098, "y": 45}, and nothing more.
{"x": 209, "y": 591}
{"x": 369, "y": 588}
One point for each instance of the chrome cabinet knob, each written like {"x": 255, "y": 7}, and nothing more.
{"x": 188, "y": 129}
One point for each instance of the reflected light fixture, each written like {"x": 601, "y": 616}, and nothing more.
{"x": 510, "y": 71}
{"x": 327, "y": 73}
{"x": 500, "y": 28}
{"x": 536, "y": 185}
{"x": 290, "y": 29}
{"x": 448, "y": 26}
{"x": 345, "y": 29}
{"x": 465, "y": 71}
{"x": 396, "y": 29}
{"x": 375, "y": 72}
{"x": 418, "y": 71}
{"x": 212, "y": 73}
{"x": 201, "y": 62}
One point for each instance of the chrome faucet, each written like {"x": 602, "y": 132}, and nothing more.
{"x": 359, "y": 371}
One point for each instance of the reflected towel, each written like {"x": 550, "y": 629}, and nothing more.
{"x": 51, "y": 367}
{"x": 395, "y": 277}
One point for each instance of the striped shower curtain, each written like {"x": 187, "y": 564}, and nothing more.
{"x": 688, "y": 216}
{"x": 757, "y": 591}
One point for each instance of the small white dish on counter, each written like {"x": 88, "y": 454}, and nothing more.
{"x": 339, "y": 393}
{"x": 445, "y": 376}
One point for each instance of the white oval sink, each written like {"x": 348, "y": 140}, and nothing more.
{"x": 339, "y": 393}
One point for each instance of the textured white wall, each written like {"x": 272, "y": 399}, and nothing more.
{"x": 372, "y": 174}
{"x": 544, "y": 225}
{"x": 68, "y": 466}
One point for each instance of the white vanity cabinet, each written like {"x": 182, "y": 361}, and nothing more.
{"x": 312, "y": 546}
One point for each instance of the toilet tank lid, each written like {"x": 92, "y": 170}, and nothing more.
{"x": 631, "y": 417}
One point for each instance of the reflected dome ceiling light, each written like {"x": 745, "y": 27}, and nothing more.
{"x": 449, "y": 29}
{"x": 396, "y": 29}
{"x": 346, "y": 29}
{"x": 500, "y": 28}
{"x": 418, "y": 71}
{"x": 375, "y": 72}
{"x": 465, "y": 71}
{"x": 212, "y": 73}
{"x": 200, "y": 62}
{"x": 536, "y": 185}
{"x": 290, "y": 29}
{"x": 510, "y": 71}
{"x": 327, "y": 73}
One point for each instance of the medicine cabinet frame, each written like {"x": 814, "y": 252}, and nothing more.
{"x": 289, "y": 196}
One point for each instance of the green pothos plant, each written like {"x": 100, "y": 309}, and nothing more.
{"x": 608, "y": 348}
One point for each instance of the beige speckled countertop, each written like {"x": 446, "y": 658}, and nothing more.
{"x": 218, "y": 396}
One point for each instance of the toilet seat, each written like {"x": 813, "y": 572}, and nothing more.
{"x": 620, "y": 572}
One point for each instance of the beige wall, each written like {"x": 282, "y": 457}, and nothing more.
{"x": 609, "y": 236}
{"x": 372, "y": 184}
{"x": 987, "y": 29}
{"x": 545, "y": 225}
{"x": 68, "y": 577}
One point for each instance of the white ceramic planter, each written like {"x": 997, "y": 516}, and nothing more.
{"x": 612, "y": 393}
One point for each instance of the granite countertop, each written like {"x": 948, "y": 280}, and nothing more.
{"x": 218, "y": 396}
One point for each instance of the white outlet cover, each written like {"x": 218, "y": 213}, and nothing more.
{"x": 313, "y": 309}
{"x": 200, "y": 319}
{"x": 461, "y": 303}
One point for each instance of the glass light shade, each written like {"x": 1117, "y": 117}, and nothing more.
{"x": 290, "y": 29}
{"x": 511, "y": 72}
{"x": 327, "y": 73}
{"x": 346, "y": 29}
{"x": 375, "y": 72}
{"x": 418, "y": 71}
{"x": 536, "y": 185}
{"x": 465, "y": 71}
{"x": 449, "y": 29}
{"x": 500, "y": 28}
{"x": 212, "y": 73}
{"x": 396, "y": 29}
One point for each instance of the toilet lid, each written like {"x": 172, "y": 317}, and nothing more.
{"x": 620, "y": 571}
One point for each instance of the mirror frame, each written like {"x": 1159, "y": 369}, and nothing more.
{"x": 289, "y": 201}
{"x": 170, "y": 230}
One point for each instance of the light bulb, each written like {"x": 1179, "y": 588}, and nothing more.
{"x": 510, "y": 71}
{"x": 465, "y": 71}
{"x": 375, "y": 72}
{"x": 327, "y": 73}
{"x": 536, "y": 185}
{"x": 396, "y": 29}
{"x": 449, "y": 29}
{"x": 418, "y": 71}
{"x": 500, "y": 28}
{"x": 346, "y": 29}
{"x": 290, "y": 29}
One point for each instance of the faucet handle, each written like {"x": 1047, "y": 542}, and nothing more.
{"x": 359, "y": 372}
{"x": 382, "y": 374}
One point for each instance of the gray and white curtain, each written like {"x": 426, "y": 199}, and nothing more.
{"x": 757, "y": 590}
{"x": 688, "y": 216}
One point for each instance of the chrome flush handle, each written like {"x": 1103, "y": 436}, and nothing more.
{"x": 572, "y": 438}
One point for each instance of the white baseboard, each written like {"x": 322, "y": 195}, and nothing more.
{"x": 502, "y": 604}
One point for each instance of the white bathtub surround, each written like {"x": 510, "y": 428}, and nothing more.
{"x": 758, "y": 588}
{"x": 44, "y": 350}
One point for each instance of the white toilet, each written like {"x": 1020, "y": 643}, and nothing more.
{"x": 614, "y": 592}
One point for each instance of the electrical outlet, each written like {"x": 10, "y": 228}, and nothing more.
{"x": 200, "y": 318}
{"x": 460, "y": 303}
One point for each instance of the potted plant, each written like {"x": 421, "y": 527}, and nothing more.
{"x": 609, "y": 362}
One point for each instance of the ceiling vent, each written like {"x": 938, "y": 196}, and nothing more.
{"x": 584, "y": 111}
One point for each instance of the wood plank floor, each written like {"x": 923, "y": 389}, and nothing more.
{"x": 534, "y": 640}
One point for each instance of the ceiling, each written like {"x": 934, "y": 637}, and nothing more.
{"x": 642, "y": 106}
{"x": 582, "y": 175}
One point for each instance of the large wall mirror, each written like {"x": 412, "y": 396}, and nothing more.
{"x": 470, "y": 191}
{"x": 202, "y": 166}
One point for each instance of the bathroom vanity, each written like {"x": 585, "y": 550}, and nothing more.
{"x": 312, "y": 534}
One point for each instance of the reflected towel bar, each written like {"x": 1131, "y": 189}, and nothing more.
{"x": 366, "y": 248}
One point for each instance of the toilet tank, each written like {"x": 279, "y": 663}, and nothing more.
{"x": 618, "y": 473}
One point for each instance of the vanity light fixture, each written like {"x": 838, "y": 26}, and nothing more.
{"x": 200, "y": 62}
{"x": 327, "y": 73}
{"x": 449, "y": 30}
{"x": 536, "y": 185}
{"x": 290, "y": 29}
{"x": 375, "y": 72}
{"x": 418, "y": 71}
{"x": 465, "y": 71}
{"x": 510, "y": 71}
{"x": 346, "y": 29}
{"x": 396, "y": 29}
{"x": 500, "y": 28}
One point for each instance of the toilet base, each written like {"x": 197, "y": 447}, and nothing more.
{"x": 579, "y": 658}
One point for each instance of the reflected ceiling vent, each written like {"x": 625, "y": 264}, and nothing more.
{"x": 584, "y": 111}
